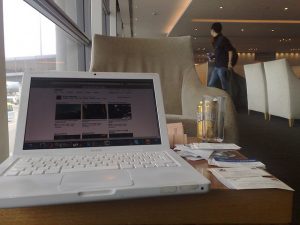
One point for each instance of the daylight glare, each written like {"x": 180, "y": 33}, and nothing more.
{"x": 27, "y": 33}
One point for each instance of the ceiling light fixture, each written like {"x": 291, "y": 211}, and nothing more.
{"x": 246, "y": 21}
{"x": 242, "y": 30}
{"x": 177, "y": 15}
{"x": 195, "y": 29}
{"x": 221, "y": 7}
{"x": 285, "y": 40}
{"x": 286, "y": 9}
{"x": 295, "y": 49}
{"x": 272, "y": 30}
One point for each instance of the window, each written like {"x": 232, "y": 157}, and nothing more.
{"x": 35, "y": 43}
{"x": 105, "y": 17}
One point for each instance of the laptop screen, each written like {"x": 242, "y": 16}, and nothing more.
{"x": 78, "y": 113}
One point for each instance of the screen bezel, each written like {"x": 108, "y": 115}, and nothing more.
{"x": 21, "y": 122}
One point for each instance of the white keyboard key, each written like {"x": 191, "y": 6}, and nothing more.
{"x": 90, "y": 166}
{"x": 38, "y": 172}
{"x": 171, "y": 164}
{"x": 25, "y": 173}
{"x": 149, "y": 165}
{"x": 159, "y": 164}
{"x": 126, "y": 166}
{"x": 11, "y": 173}
{"x": 138, "y": 166}
{"x": 78, "y": 169}
{"x": 52, "y": 170}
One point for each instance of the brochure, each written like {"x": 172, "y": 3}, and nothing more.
{"x": 224, "y": 162}
{"x": 247, "y": 178}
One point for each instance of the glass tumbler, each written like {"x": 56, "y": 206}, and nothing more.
{"x": 210, "y": 119}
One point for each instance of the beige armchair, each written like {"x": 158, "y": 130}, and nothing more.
{"x": 256, "y": 88}
{"x": 172, "y": 59}
{"x": 283, "y": 88}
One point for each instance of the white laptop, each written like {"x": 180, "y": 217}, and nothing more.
{"x": 91, "y": 137}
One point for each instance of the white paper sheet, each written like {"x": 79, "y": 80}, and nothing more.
{"x": 185, "y": 150}
{"x": 215, "y": 146}
{"x": 247, "y": 178}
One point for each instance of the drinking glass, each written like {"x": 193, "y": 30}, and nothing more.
{"x": 210, "y": 119}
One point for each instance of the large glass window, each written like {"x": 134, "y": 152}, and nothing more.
{"x": 34, "y": 43}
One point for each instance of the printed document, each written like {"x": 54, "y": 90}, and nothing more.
{"x": 215, "y": 146}
{"x": 247, "y": 178}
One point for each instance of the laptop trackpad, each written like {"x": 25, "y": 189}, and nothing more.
{"x": 95, "y": 180}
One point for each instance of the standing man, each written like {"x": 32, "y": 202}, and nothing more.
{"x": 223, "y": 51}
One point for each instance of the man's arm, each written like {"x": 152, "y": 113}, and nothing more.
{"x": 230, "y": 53}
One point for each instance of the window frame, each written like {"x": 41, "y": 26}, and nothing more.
{"x": 53, "y": 12}
{"x": 4, "y": 150}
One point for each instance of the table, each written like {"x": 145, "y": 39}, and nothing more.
{"x": 219, "y": 206}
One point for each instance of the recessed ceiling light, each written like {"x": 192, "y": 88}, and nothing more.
{"x": 286, "y": 9}
{"x": 272, "y": 30}
{"x": 195, "y": 29}
{"x": 195, "y": 38}
{"x": 285, "y": 39}
{"x": 242, "y": 30}
{"x": 221, "y": 7}
{"x": 253, "y": 21}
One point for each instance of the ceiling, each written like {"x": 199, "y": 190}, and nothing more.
{"x": 156, "y": 18}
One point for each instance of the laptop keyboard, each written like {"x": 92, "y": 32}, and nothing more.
{"x": 98, "y": 161}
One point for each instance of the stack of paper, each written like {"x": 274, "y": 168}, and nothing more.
{"x": 247, "y": 178}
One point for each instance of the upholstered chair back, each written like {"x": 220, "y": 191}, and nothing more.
{"x": 283, "y": 89}
{"x": 256, "y": 87}
{"x": 171, "y": 58}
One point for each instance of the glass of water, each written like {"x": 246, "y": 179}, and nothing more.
{"x": 211, "y": 121}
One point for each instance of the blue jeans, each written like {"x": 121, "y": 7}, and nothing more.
{"x": 221, "y": 74}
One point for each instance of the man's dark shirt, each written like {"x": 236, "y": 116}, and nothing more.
{"x": 222, "y": 45}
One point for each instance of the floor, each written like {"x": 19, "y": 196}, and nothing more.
{"x": 277, "y": 146}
